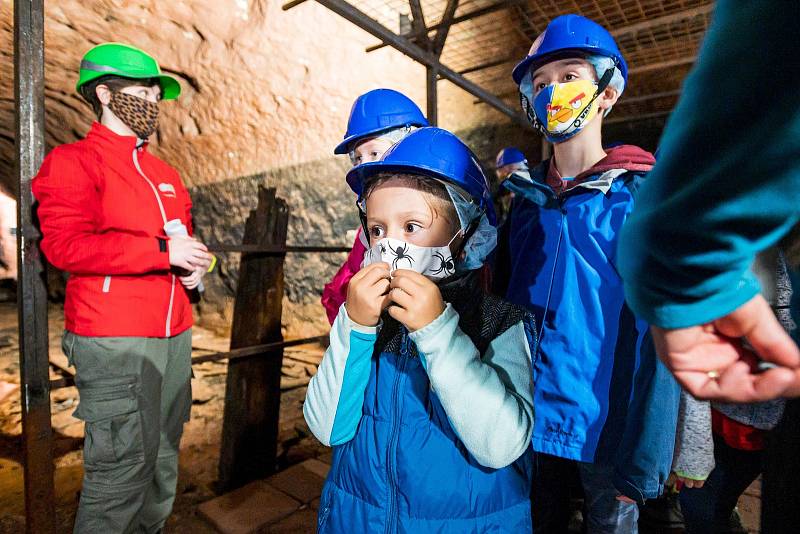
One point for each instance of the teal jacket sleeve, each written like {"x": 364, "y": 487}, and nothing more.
{"x": 728, "y": 180}
{"x": 489, "y": 399}
{"x": 335, "y": 396}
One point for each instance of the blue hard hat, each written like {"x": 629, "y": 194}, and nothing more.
{"x": 570, "y": 33}
{"x": 435, "y": 153}
{"x": 377, "y": 111}
{"x": 509, "y": 155}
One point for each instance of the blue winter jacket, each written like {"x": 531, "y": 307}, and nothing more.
{"x": 600, "y": 393}
{"x": 430, "y": 430}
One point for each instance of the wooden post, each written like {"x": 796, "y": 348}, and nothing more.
{"x": 253, "y": 394}
{"x": 37, "y": 433}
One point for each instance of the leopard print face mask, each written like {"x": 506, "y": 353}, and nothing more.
{"x": 138, "y": 114}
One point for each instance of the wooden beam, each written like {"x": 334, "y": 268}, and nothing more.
{"x": 252, "y": 395}
{"x": 663, "y": 20}
{"x": 432, "y": 95}
{"x": 637, "y": 117}
{"x": 371, "y": 26}
{"x": 688, "y": 60}
{"x": 644, "y": 98}
{"x": 37, "y": 433}
{"x": 492, "y": 8}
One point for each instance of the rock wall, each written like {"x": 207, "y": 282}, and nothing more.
{"x": 322, "y": 213}
{"x": 263, "y": 88}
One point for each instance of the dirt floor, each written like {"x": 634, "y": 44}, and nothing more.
{"x": 200, "y": 445}
{"x": 199, "y": 448}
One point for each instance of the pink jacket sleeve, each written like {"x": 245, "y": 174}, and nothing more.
{"x": 335, "y": 292}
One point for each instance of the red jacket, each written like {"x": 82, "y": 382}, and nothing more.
{"x": 103, "y": 203}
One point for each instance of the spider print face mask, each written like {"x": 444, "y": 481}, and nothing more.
{"x": 434, "y": 262}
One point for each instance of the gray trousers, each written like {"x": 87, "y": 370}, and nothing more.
{"x": 135, "y": 396}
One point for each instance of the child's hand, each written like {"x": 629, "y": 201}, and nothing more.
{"x": 367, "y": 294}
{"x": 417, "y": 301}
{"x": 192, "y": 280}
{"x": 680, "y": 482}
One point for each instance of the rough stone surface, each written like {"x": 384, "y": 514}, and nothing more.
{"x": 262, "y": 88}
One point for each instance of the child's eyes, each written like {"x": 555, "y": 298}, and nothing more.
{"x": 411, "y": 228}
{"x": 540, "y": 86}
{"x": 570, "y": 77}
{"x": 376, "y": 231}
{"x": 374, "y": 153}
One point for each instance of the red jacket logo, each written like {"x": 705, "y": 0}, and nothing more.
{"x": 168, "y": 190}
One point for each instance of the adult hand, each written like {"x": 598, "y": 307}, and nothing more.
{"x": 713, "y": 362}
{"x": 367, "y": 294}
{"x": 193, "y": 280}
{"x": 188, "y": 253}
{"x": 626, "y": 500}
{"x": 416, "y": 300}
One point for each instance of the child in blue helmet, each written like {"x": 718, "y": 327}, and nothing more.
{"x": 425, "y": 393}
{"x": 378, "y": 119}
{"x": 508, "y": 160}
{"x": 605, "y": 407}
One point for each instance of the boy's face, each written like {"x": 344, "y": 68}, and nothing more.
{"x": 562, "y": 71}
{"x": 370, "y": 150}
{"x": 398, "y": 211}
{"x": 570, "y": 70}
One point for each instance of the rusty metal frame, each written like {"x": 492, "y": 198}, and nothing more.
{"x": 352, "y": 14}
{"x": 37, "y": 432}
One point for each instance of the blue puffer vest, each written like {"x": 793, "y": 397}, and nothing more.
{"x": 406, "y": 469}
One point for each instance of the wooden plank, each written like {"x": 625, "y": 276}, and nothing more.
{"x": 37, "y": 434}
{"x": 252, "y": 397}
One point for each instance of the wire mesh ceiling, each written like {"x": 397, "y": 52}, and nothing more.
{"x": 659, "y": 39}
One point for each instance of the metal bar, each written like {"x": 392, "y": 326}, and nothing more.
{"x": 444, "y": 27}
{"x": 289, "y": 5}
{"x": 432, "y": 95}
{"x": 34, "y": 364}
{"x": 276, "y": 250}
{"x": 461, "y": 18}
{"x": 663, "y": 20}
{"x": 246, "y": 352}
{"x": 363, "y": 21}
{"x": 418, "y": 22}
{"x": 487, "y": 65}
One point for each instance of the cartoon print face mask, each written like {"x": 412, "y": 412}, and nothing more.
{"x": 563, "y": 109}
{"x": 434, "y": 262}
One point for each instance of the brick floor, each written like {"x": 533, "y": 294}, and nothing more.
{"x": 283, "y": 503}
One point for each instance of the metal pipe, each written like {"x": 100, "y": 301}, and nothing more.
{"x": 360, "y": 19}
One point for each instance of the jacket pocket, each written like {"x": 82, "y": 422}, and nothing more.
{"x": 68, "y": 346}
{"x": 110, "y": 409}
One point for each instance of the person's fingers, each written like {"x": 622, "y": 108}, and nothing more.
{"x": 406, "y": 284}
{"x": 386, "y": 300}
{"x": 755, "y": 321}
{"x": 401, "y": 298}
{"x": 623, "y": 498}
{"x": 410, "y": 276}
{"x": 737, "y": 383}
{"x": 699, "y": 484}
{"x": 793, "y": 390}
{"x": 381, "y": 287}
{"x": 398, "y": 313}
{"x": 374, "y": 272}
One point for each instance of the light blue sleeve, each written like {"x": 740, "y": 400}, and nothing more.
{"x": 335, "y": 395}
{"x": 488, "y": 400}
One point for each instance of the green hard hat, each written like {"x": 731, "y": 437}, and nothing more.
{"x": 125, "y": 61}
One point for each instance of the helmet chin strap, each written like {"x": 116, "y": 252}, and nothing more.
{"x": 601, "y": 86}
